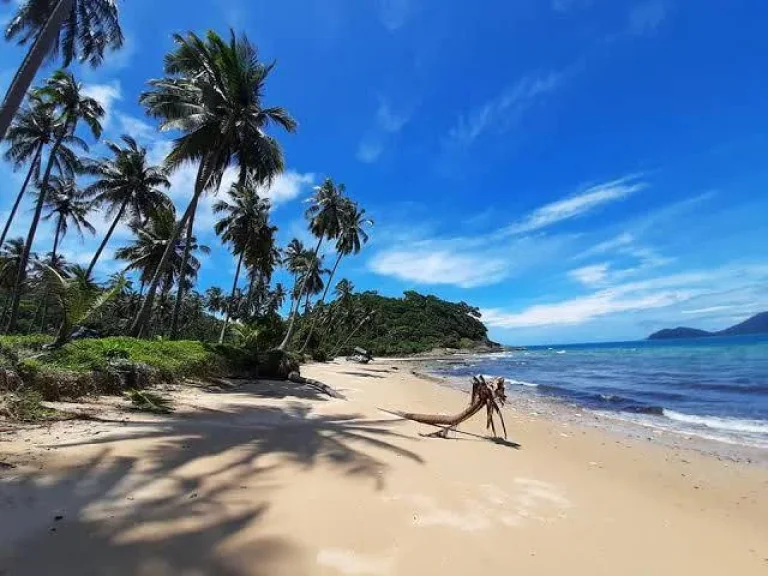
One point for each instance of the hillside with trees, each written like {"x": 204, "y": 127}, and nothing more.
{"x": 395, "y": 326}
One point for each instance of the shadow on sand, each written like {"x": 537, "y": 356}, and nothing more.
{"x": 188, "y": 499}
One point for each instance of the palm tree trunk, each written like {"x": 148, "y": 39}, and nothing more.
{"x": 35, "y": 161}
{"x": 103, "y": 244}
{"x": 46, "y": 296}
{"x": 292, "y": 322}
{"x": 180, "y": 292}
{"x": 322, "y": 301}
{"x": 26, "y": 73}
{"x": 249, "y": 298}
{"x": 22, "y": 270}
{"x": 360, "y": 325}
{"x": 137, "y": 327}
{"x": 231, "y": 298}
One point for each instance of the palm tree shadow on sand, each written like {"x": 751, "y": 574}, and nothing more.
{"x": 173, "y": 503}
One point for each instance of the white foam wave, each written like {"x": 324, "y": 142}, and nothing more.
{"x": 521, "y": 383}
{"x": 716, "y": 423}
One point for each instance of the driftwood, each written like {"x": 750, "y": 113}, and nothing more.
{"x": 316, "y": 384}
{"x": 485, "y": 394}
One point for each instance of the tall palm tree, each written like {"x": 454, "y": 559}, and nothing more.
{"x": 241, "y": 226}
{"x": 78, "y": 29}
{"x": 64, "y": 95}
{"x": 312, "y": 277}
{"x": 128, "y": 186}
{"x": 31, "y": 132}
{"x": 325, "y": 215}
{"x": 67, "y": 204}
{"x": 351, "y": 239}
{"x": 213, "y": 94}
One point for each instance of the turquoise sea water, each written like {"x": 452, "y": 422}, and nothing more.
{"x": 710, "y": 387}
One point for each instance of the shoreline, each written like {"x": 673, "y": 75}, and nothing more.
{"x": 561, "y": 410}
{"x": 257, "y": 477}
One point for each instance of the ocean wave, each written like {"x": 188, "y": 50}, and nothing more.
{"x": 521, "y": 383}
{"x": 720, "y": 423}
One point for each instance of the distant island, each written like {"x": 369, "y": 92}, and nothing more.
{"x": 757, "y": 324}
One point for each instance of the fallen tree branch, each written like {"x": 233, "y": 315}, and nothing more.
{"x": 316, "y": 384}
{"x": 485, "y": 394}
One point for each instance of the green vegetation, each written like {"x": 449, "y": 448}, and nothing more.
{"x": 394, "y": 326}
{"x": 66, "y": 331}
{"x": 111, "y": 365}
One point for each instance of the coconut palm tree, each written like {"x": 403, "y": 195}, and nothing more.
{"x": 325, "y": 215}
{"x": 31, "y": 132}
{"x": 64, "y": 95}
{"x": 351, "y": 239}
{"x": 312, "y": 277}
{"x": 214, "y": 299}
{"x": 66, "y": 205}
{"x": 128, "y": 186}
{"x": 76, "y": 29}
{"x": 148, "y": 249}
{"x": 212, "y": 92}
{"x": 241, "y": 226}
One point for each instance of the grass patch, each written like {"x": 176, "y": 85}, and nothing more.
{"x": 113, "y": 365}
{"x": 170, "y": 359}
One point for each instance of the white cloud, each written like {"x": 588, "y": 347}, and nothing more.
{"x": 645, "y": 17}
{"x": 466, "y": 270}
{"x": 501, "y": 112}
{"x": 622, "y": 240}
{"x": 389, "y": 120}
{"x": 653, "y": 293}
{"x": 287, "y": 186}
{"x": 369, "y": 151}
{"x": 578, "y": 205}
{"x": 106, "y": 95}
{"x": 708, "y": 310}
{"x": 590, "y": 275}
{"x": 135, "y": 127}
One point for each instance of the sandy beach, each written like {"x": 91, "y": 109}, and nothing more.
{"x": 266, "y": 478}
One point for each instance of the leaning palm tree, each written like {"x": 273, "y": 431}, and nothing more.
{"x": 351, "y": 239}
{"x": 148, "y": 249}
{"x": 31, "y": 132}
{"x": 77, "y": 29}
{"x": 325, "y": 215}
{"x": 213, "y": 94}
{"x": 243, "y": 219}
{"x": 128, "y": 186}
{"x": 67, "y": 205}
{"x": 64, "y": 95}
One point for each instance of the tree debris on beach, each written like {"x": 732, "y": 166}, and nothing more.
{"x": 485, "y": 394}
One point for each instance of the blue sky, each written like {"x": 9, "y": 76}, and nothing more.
{"x": 581, "y": 170}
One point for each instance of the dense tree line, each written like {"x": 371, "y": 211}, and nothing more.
{"x": 211, "y": 97}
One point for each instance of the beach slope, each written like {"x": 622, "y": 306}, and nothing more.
{"x": 270, "y": 478}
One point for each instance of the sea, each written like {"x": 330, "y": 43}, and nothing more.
{"x": 714, "y": 388}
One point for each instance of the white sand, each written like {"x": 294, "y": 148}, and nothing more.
{"x": 272, "y": 479}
